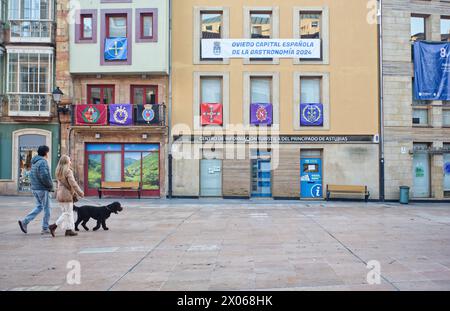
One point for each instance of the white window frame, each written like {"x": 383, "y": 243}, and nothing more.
{"x": 324, "y": 31}
{"x": 21, "y": 19}
{"x": 275, "y": 10}
{"x": 43, "y": 50}
{"x": 325, "y": 89}
{"x": 275, "y": 97}
{"x": 197, "y": 33}
{"x": 225, "y": 98}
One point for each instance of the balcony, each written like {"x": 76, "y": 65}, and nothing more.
{"x": 159, "y": 121}
{"x": 29, "y": 105}
{"x": 34, "y": 31}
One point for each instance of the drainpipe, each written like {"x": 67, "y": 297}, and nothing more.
{"x": 381, "y": 98}
{"x": 169, "y": 113}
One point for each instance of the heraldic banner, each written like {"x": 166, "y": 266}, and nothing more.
{"x": 211, "y": 113}
{"x": 116, "y": 48}
{"x": 261, "y": 114}
{"x": 432, "y": 71}
{"x": 311, "y": 115}
{"x": 91, "y": 115}
{"x": 148, "y": 114}
{"x": 120, "y": 114}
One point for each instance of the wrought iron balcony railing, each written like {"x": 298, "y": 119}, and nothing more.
{"x": 32, "y": 105}
{"x": 30, "y": 31}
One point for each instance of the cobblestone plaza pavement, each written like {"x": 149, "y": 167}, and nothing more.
{"x": 233, "y": 245}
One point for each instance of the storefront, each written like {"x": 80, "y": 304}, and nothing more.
{"x": 122, "y": 162}
{"x": 18, "y": 145}
{"x": 296, "y": 167}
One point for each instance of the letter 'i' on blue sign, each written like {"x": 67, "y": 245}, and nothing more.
{"x": 116, "y": 48}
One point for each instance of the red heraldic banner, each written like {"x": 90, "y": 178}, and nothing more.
{"x": 211, "y": 113}
{"x": 91, "y": 114}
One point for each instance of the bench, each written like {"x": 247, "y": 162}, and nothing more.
{"x": 345, "y": 189}
{"x": 120, "y": 186}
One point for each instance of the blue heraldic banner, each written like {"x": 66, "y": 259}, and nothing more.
{"x": 431, "y": 71}
{"x": 116, "y": 48}
{"x": 311, "y": 115}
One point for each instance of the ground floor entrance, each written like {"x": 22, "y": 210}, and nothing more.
{"x": 18, "y": 145}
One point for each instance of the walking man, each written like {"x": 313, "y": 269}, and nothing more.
{"x": 41, "y": 185}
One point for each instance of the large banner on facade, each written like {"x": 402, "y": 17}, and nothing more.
{"x": 261, "y": 48}
{"x": 311, "y": 114}
{"x": 431, "y": 71}
{"x": 91, "y": 114}
{"x": 148, "y": 114}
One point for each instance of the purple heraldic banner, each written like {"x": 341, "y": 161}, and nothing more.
{"x": 311, "y": 115}
{"x": 261, "y": 114}
{"x": 120, "y": 114}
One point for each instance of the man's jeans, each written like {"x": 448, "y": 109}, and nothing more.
{"x": 42, "y": 202}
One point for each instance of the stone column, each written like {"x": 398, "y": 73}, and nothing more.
{"x": 437, "y": 173}
{"x": 63, "y": 78}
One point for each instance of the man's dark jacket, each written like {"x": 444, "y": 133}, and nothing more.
{"x": 40, "y": 176}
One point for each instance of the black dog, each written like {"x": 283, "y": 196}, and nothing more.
{"x": 99, "y": 213}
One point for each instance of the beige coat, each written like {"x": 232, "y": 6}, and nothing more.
{"x": 63, "y": 194}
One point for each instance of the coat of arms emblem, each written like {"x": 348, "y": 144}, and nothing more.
{"x": 148, "y": 114}
{"x": 90, "y": 114}
{"x": 121, "y": 115}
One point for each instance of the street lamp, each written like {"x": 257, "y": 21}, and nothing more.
{"x": 57, "y": 96}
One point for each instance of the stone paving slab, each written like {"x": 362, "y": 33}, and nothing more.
{"x": 233, "y": 245}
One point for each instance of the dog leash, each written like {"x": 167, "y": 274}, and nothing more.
{"x": 89, "y": 201}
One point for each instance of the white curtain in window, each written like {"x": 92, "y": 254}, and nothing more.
{"x": 310, "y": 90}
{"x": 211, "y": 89}
{"x": 113, "y": 167}
{"x": 446, "y": 117}
{"x": 261, "y": 90}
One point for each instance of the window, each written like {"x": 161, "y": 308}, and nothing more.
{"x": 116, "y": 25}
{"x": 144, "y": 94}
{"x": 123, "y": 162}
{"x": 115, "y": 28}
{"x": 86, "y": 26}
{"x": 418, "y": 28}
{"x": 30, "y": 19}
{"x": 146, "y": 26}
{"x": 311, "y": 109}
{"x": 100, "y": 94}
{"x": 310, "y": 25}
{"x": 420, "y": 110}
{"x": 445, "y": 28}
{"x": 29, "y": 82}
{"x": 261, "y": 25}
{"x": 211, "y": 90}
{"x": 420, "y": 116}
{"x": 211, "y": 27}
{"x": 446, "y": 117}
{"x": 261, "y": 90}
{"x": 310, "y": 90}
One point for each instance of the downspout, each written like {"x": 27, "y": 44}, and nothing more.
{"x": 169, "y": 118}
{"x": 381, "y": 99}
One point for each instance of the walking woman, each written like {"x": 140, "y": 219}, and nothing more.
{"x": 67, "y": 190}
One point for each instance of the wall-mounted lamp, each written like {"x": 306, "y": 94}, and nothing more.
{"x": 97, "y": 135}
{"x": 144, "y": 136}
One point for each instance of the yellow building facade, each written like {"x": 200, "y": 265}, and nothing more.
{"x": 341, "y": 149}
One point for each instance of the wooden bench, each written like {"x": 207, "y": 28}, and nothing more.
{"x": 345, "y": 189}
{"x": 120, "y": 186}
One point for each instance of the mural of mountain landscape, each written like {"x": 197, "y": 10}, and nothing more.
{"x": 94, "y": 170}
{"x": 150, "y": 169}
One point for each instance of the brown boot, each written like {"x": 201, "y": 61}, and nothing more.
{"x": 52, "y": 229}
{"x": 71, "y": 233}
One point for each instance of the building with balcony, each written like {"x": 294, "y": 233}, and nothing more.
{"x": 417, "y": 132}
{"x": 292, "y": 124}
{"x": 112, "y": 65}
{"x": 27, "y": 116}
